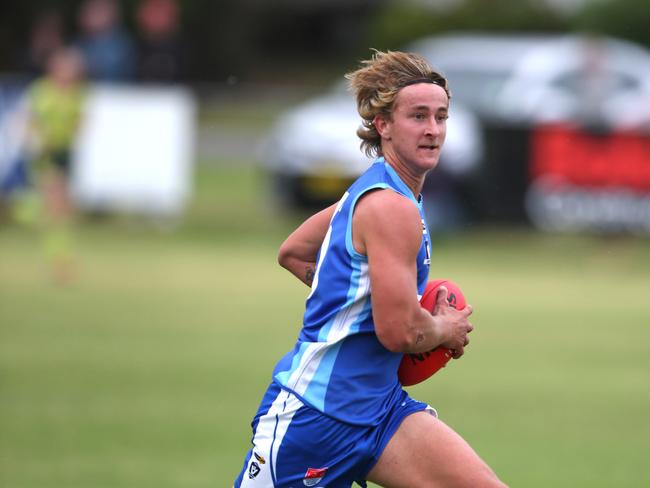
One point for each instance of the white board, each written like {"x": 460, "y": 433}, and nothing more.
{"x": 135, "y": 150}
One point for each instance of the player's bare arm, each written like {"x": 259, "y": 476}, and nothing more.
{"x": 387, "y": 228}
{"x": 298, "y": 252}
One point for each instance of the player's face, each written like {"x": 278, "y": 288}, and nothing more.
{"x": 414, "y": 135}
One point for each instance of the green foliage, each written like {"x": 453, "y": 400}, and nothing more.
{"x": 627, "y": 19}
{"x": 505, "y": 16}
{"x": 402, "y": 22}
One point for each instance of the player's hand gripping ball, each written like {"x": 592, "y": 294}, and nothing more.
{"x": 415, "y": 368}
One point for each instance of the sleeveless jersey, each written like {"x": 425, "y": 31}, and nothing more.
{"x": 338, "y": 365}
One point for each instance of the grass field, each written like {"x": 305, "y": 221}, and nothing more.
{"x": 147, "y": 370}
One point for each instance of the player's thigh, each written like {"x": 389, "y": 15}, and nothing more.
{"x": 425, "y": 452}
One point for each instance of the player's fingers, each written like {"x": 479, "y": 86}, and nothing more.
{"x": 441, "y": 298}
{"x": 457, "y": 353}
{"x": 468, "y": 310}
{"x": 442, "y": 294}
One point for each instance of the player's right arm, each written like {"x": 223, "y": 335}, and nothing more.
{"x": 388, "y": 229}
{"x": 298, "y": 252}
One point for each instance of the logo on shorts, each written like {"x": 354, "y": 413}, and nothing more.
{"x": 253, "y": 470}
{"x": 313, "y": 476}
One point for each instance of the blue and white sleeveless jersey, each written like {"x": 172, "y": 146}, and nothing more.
{"x": 338, "y": 365}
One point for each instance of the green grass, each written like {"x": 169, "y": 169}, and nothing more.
{"x": 147, "y": 370}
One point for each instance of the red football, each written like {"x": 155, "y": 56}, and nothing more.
{"x": 415, "y": 368}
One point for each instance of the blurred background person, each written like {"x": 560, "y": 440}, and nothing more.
{"x": 108, "y": 49}
{"x": 55, "y": 103}
{"x": 161, "y": 51}
{"x": 46, "y": 37}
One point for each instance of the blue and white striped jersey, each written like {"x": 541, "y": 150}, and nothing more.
{"x": 338, "y": 365}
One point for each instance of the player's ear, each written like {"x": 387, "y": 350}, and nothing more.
{"x": 382, "y": 125}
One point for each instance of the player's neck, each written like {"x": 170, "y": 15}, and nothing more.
{"x": 413, "y": 180}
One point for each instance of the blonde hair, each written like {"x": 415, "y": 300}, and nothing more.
{"x": 376, "y": 85}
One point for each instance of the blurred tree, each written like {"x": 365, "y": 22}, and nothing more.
{"x": 402, "y": 22}
{"x": 17, "y": 20}
{"x": 256, "y": 39}
{"x": 627, "y": 19}
{"x": 227, "y": 39}
{"x": 253, "y": 39}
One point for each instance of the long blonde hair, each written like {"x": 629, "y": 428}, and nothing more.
{"x": 376, "y": 84}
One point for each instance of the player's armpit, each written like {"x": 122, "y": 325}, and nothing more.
{"x": 387, "y": 228}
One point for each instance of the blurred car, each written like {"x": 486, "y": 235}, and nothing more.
{"x": 525, "y": 79}
{"x": 580, "y": 78}
{"x": 313, "y": 153}
{"x": 477, "y": 66}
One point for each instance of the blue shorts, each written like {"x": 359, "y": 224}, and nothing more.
{"x": 295, "y": 445}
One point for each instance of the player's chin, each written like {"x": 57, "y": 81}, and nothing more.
{"x": 429, "y": 158}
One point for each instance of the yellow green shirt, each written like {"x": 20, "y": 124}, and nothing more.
{"x": 56, "y": 113}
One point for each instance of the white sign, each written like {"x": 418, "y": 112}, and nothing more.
{"x": 135, "y": 150}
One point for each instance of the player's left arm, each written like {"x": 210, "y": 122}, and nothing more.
{"x": 298, "y": 252}
{"x": 387, "y": 228}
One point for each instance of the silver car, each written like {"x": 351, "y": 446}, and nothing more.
{"x": 313, "y": 152}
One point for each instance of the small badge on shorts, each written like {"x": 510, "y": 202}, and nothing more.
{"x": 253, "y": 470}
{"x": 313, "y": 476}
